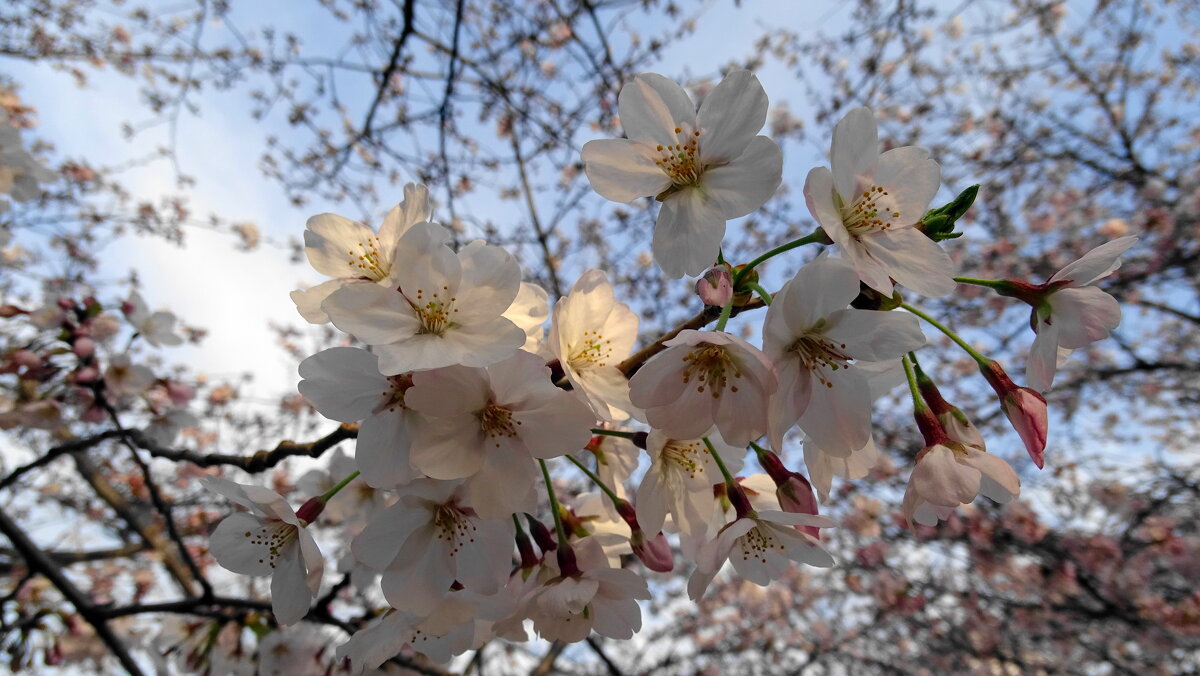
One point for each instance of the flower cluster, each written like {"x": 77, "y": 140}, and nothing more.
{"x": 462, "y": 394}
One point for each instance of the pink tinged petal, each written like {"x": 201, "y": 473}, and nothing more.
{"x": 380, "y": 542}
{"x": 1043, "y": 357}
{"x": 911, "y": 179}
{"x": 290, "y": 595}
{"x": 819, "y": 196}
{"x": 746, "y": 183}
{"x": 377, "y": 642}
{"x": 448, "y": 448}
{"x": 521, "y": 381}
{"x": 491, "y": 278}
{"x": 820, "y": 288}
{"x": 561, "y": 426}
{"x": 789, "y": 401}
{"x": 622, "y": 171}
{"x": 838, "y": 417}
{"x": 1083, "y": 316}
{"x": 449, "y": 391}
{"x": 688, "y": 233}
{"x": 660, "y": 380}
{"x": 1095, "y": 264}
{"x": 329, "y": 241}
{"x": 688, "y": 417}
{"x": 913, "y": 260}
{"x": 236, "y": 551}
{"x": 741, "y": 416}
{"x": 652, "y": 106}
{"x": 875, "y": 336}
{"x": 308, "y": 301}
{"x": 414, "y": 208}
{"x": 1026, "y": 411}
{"x": 382, "y": 454}
{"x": 999, "y": 481}
{"x": 343, "y": 383}
{"x": 730, "y": 116}
{"x": 374, "y": 314}
{"x": 854, "y": 151}
{"x": 940, "y": 479}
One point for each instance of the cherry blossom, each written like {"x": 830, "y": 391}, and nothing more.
{"x": 680, "y": 482}
{"x": 869, "y": 202}
{"x": 595, "y": 597}
{"x": 493, "y": 422}
{"x": 352, "y": 253}
{"x": 269, "y": 539}
{"x": 951, "y": 474}
{"x": 590, "y": 333}
{"x": 448, "y": 308}
{"x": 1072, "y": 312}
{"x": 705, "y": 379}
{"x": 156, "y": 328}
{"x": 344, "y": 384}
{"x": 815, "y": 340}
{"x": 705, "y": 167}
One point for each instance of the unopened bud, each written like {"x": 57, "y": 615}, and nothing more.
{"x": 529, "y": 558}
{"x": 310, "y": 510}
{"x": 26, "y": 358}
{"x": 7, "y": 311}
{"x": 87, "y": 374}
{"x": 715, "y": 286}
{"x": 567, "y": 565}
{"x": 796, "y": 496}
{"x": 654, "y": 552}
{"x": 84, "y": 347}
{"x": 1025, "y": 408}
{"x": 541, "y": 535}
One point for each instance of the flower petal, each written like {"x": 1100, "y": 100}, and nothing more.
{"x": 343, "y": 383}
{"x": 623, "y": 170}
{"x": 652, "y": 106}
{"x": 913, "y": 260}
{"x": 688, "y": 233}
{"x": 1095, "y": 264}
{"x": 854, "y": 152}
{"x": 730, "y": 116}
{"x": 746, "y": 183}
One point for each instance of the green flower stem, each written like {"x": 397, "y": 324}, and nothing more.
{"x": 817, "y": 235}
{"x": 979, "y": 358}
{"x": 612, "y": 495}
{"x": 918, "y": 402}
{"x": 558, "y": 524}
{"x": 726, "y": 313}
{"x": 762, "y": 293}
{"x": 614, "y": 433}
{"x": 720, "y": 463}
{"x": 341, "y": 484}
{"x": 990, "y": 283}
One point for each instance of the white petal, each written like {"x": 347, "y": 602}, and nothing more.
{"x": 374, "y": 314}
{"x": 854, "y": 151}
{"x": 1043, "y": 357}
{"x": 343, "y": 383}
{"x": 875, "y": 336}
{"x": 329, "y": 241}
{"x": 1097, "y": 263}
{"x": 730, "y": 116}
{"x": 381, "y": 540}
{"x": 414, "y": 208}
{"x": 911, "y": 179}
{"x": 838, "y": 417}
{"x": 290, "y": 595}
{"x": 1083, "y": 316}
{"x": 819, "y": 196}
{"x": 914, "y": 260}
{"x": 746, "y": 183}
{"x": 382, "y": 454}
{"x": 652, "y": 106}
{"x": 820, "y": 288}
{"x": 491, "y": 278}
{"x": 623, "y": 170}
{"x": 308, "y": 301}
{"x": 688, "y": 234}
{"x": 232, "y": 545}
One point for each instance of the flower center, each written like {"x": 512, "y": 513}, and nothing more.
{"x": 497, "y": 421}
{"x": 453, "y": 526}
{"x": 869, "y": 212}
{"x": 814, "y": 350}
{"x": 711, "y": 367}
{"x": 435, "y": 310}
{"x": 368, "y": 262}
{"x": 757, "y": 542}
{"x": 593, "y": 352}
{"x": 681, "y": 161}
{"x": 272, "y": 537}
{"x": 685, "y": 457}
{"x": 393, "y": 399}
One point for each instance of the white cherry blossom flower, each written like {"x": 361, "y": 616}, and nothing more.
{"x": 344, "y": 384}
{"x": 156, "y": 328}
{"x": 123, "y": 378}
{"x": 590, "y": 333}
{"x": 529, "y": 312}
{"x": 269, "y": 539}
{"x": 705, "y": 379}
{"x": 1073, "y": 312}
{"x": 430, "y": 539}
{"x": 680, "y": 482}
{"x": 815, "y": 341}
{"x": 446, "y": 310}
{"x": 950, "y": 474}
{"x": 705, "y": 167}
{"x": 869, "y": 203}
{"x": 599, "y": 598}
{"x": 352, "y": 253}
{"x": 489, "y": 424}
{"x": 760, "y": 547}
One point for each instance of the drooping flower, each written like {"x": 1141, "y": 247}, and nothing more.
{"x": 489, "y": 424}
{"x": 1025, "y": 409}
{"x": 1069, "y": 312}
{"x": 593, "y": 597}
{"x": 445, "y": 307}
{"x": 815, "y": 341}
{"x": 352, "y": 253}
{"x": 705, "y": 379}
{"x": 951, "y": 474}
{"x": 430, "y": 539}
{"x": 705, "y": 167}
{"x": 269, "y": 539}
{"x": 765, "y": 542}
{"x": 680, "y": 482}
{"x": 869, "y": 203}
{"x": 344, "y": 384}
{"x": 590, "y": 333}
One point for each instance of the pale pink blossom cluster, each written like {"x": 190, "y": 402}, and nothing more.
{"x": 461, "y": 394}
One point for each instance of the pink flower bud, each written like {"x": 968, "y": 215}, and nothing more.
{"x": 87, "y": 374}
{"x": 84, "y": 347}
{"x": 655, "y": 552}
{"x": 1025, "y": 408}
{"x": 310, "y": 510}
{"x": 7, "y": 311}
{"x": 94, "y": 414}
{"x": 796, "y": 496}
{"x": 179, "y": 393}
{"x": 26, "y": 358}
{"x": 715, "y": 287}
